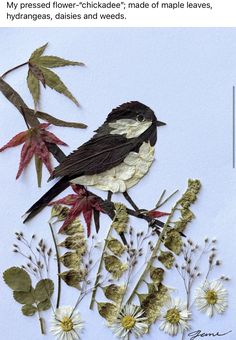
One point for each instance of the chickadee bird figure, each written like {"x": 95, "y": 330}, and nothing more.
{"x": 114, "y": 159}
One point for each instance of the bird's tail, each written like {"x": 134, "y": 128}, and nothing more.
{"x": 61, "y": 185}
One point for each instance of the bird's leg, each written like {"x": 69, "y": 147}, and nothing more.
{"x": 109, "y": 195}
{"x": 153, "y": 223}
{"x": 129, "y": 199}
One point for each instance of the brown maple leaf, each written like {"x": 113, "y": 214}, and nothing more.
{"x": 34, "y": 144}
{"x": 81, "y": 202}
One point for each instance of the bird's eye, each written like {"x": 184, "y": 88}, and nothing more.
{"x": 140, "y": 118}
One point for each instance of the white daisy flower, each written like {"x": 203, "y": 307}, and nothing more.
{"x": 175, "y": 317}
{"x": 211, "y": 298}
{"x": 130, "y": 320}
{"x": 66, "y": 324}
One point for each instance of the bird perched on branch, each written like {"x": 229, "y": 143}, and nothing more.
{"x": 114, "y": 159}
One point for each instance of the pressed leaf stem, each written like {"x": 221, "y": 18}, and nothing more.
{"x": 41, "y": 322}
{"x": 99, "y": 270}
{"x": 154, "y": 253}
{"x": 13, "y": 69}
{"x": 58, "y": 267}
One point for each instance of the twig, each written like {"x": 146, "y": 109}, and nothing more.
{"x": 160, "y": 204}
{"x": 58, "y": 267}
{"x": 154, "y": 253}
{"x": 13, "y": 69}
{"x": 99, "y": 270}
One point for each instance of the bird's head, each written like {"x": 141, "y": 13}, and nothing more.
{"x": 131, "y": 119}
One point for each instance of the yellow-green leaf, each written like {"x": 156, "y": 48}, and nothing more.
{"x": 53, "y": 81}
{"x": 153, "y": 303}
{"x": 73, "y": 277}
{"x": 173, "y": 241}
{"x": 44, "y": 305}
{"x": 167, "y": 259}
{"x": 71, "y": 260}
{"x": 114, "y": 266}
{"x": 121, "y": 218}
{"x": 44, "y": 289}
{"x": 53, "y": 61}
{"x": 76, "y": 242}
{"x": 33, "y": 85}
{"x": 24, "y": 297}
{"x": 59, "y": 211}
{"x": 75, "y": 227}
{"x": 108, "y": 311}
{"x": 38, "y": 52}
{"x": 17, "y": 279}
{"x": 114, "y": 292}
{"x": 115, "y": 246}
{"x": 38, "y": 167}
{"x": 28, "y": 310}
{"x": 157, "y": 274}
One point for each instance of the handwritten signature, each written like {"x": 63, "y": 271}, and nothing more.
{"x": 199, "y": 334}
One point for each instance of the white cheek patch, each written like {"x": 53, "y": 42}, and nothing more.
{"x": 129, "y": 127}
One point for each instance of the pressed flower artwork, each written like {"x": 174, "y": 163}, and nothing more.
{"x": 98, "y": 254}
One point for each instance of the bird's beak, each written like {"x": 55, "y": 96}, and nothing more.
{"x": 159, "y": 123}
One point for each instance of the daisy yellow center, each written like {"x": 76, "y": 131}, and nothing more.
{"x": 128, "y": 322}
{"x": 173, "y": 316}
{"x": 66, "y": 324}
{"x": 211, "y": 297}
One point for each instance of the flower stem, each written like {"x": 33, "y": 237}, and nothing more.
{"x": 13, "y": 69}
{"x": 96, "y": 284}
{"x": 154, "y": 253}
{"x": 41, "y": 322}
{"x": 58, "y": 267}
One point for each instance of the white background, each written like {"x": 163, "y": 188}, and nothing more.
{"x": 186, "y": 77}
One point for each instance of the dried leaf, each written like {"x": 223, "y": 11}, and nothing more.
{"x": 75, "y": 227}
{"x": 17, "y": 279}
{"x": 53, "y": 81}
{"x": 37, "y": 53}
{"x": 116, "y": 247}
{"x": 114, "y": 292}
{"x": 24, "y": 297}
{"x": 37, "y": 73}
{"x": 39, "y": 168}
{"x": 73, "y": 277}
{"x": 52, "y": 61}
{"x": 44, "y": 305}
{"x": 108, "y": 311}
{"x": 28, "y": 310}
{"x": 59, "y": 211}
{"x": 142, "y": 297}
{"x": 58, "y": 122}
{"x": 153, "y": 303}
{"x": 121, "y": 218}
{"x": 75, "y": 243}
{"x": 157, "y": 275}
{"x": 96, "y": 217}
{"x": 44, "y": 290}
{"x": 187, "y": 215}
{"x": 156, "y": 213}
{"x": 33, "y": 85}
{"x": 167, "y": 259}
{"x": 173, "y": 241}
{"x": 180, "y": 225}
{"x": 71, "y": 260}
{"x": 114, "y": 266}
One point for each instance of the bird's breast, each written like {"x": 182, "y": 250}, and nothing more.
{"x": 123, "y": 176}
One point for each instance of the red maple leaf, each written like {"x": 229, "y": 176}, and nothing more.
{"x": 81, "y": 202}
{"x": 156, "y": 213}
{"x": 34, "y": 140}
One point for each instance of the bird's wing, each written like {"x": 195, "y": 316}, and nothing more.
{"x": 99, "y": 154}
